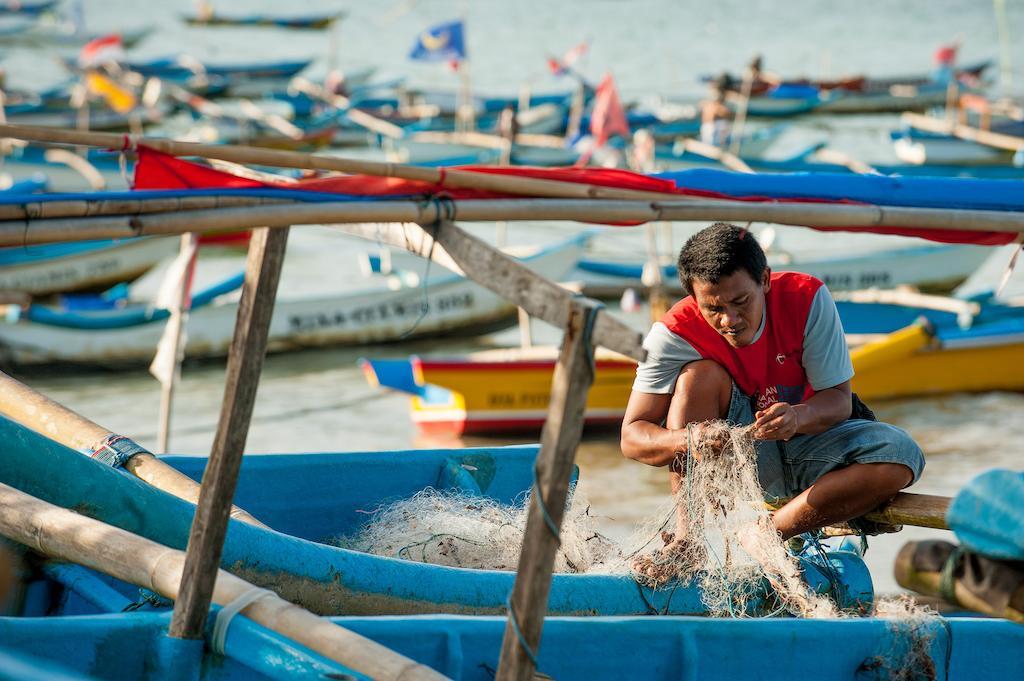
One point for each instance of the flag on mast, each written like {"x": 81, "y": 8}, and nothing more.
{"x": 563, "y": 66}
{"x": 608, "y": 117}
{"x": 443, "y": 42}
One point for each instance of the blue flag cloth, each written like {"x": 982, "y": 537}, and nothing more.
{"x": 443, "y": 42}
{"x": 988, "y": 514}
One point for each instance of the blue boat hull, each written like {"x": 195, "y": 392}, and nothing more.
{"x": 310, "y": 498}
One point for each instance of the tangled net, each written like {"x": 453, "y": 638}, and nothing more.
{"x": 459, "y": 530}
{"x": 724, "y": 537}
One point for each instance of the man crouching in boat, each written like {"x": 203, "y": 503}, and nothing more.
{"x": 753, "y": 347}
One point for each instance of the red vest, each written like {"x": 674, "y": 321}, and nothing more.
{"x": 771, "y": 368}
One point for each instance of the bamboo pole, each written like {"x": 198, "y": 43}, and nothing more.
{"x": 175, "y": 327}
{"x": 836, "y": 216}
{"x": 919, "y": 510}
{"x": 446, "y": 177}
{"x": 966, "y": 132}
{"x": 245, "y": 362}
{"x": 41, "y": 210}
{"x": 38, "y": 412}
{"x": 65, "y": 535}
{"x": 573, "y": 376}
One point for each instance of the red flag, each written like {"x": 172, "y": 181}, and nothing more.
{"x": 108, "y": 48}
{"x": 608, "y": 117}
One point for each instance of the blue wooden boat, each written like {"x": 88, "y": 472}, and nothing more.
{"x": 316, "y": 22}
{"x": 27, "y": 8}
{"x": 136, "y": 646}
{"x": 298, "y": 495}
{"x": 123, "y": 646}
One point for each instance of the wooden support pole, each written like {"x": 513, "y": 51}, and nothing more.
{"x": 521, "y": 286}
{"x": 574, "y": 374}
{"x": 987, "y": 137}
{"x": 59, "y": 533}
{"x": 34, "y": 410}
{"x": 245, "y": 362}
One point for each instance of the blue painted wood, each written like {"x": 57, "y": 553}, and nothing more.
{"x": 135, "y": 646}
{"x": 309, "y": 498}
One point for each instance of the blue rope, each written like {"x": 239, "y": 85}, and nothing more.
{"x": 548, "y": 520}
{"x": 530, "y": 652}
{"x": 115, "y": 450}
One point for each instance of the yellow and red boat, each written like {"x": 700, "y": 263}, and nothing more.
{"x": 501, "y": 391}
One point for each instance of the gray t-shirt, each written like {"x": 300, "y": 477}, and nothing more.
{"x": 826, "y": 359}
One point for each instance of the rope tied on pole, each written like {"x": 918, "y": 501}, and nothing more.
{"x": 115, "y": 450}
{"x": 226, "y": 614}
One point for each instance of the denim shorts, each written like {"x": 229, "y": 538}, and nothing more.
{"x": 787, "y": 468}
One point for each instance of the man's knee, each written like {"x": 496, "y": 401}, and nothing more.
{"x": 889, "y": 478}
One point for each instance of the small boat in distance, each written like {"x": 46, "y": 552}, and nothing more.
{"x": 313, "y": 22}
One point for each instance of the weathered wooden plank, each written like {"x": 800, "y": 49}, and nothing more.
{"x": 518, "y": 284}
{"x": 966, "y": 132}
{"x": 574, "y": 374}
{"x": 245, "y": 362}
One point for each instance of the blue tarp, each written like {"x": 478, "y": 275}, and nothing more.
{"x": 920, "y": 192}
{"x": 988, "y": 514}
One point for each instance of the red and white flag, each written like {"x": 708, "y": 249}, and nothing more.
{"x": 560, "y": 67}
{"x": 102, "y": 50}
{"x": 608, "y": 117}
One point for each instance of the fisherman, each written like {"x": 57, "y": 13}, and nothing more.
{"x": 755, "y": 347}
{"x": 715, "y": 115}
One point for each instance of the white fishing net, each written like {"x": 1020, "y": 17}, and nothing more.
{"x": 460, "y": 530}
{"x": 717, "y": 532}
{"x": 723, "y": 536}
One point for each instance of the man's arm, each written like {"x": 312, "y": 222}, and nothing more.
{"x": 823, "y": 410}
{"x": 642, "y": 438}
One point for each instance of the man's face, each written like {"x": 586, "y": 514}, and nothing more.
{"x": 734, "y": 306}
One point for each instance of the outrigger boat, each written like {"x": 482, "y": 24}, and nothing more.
{"x": 313, "y": 573}
{"x": 314, "y": 22}
{"x": 125, "y": 332}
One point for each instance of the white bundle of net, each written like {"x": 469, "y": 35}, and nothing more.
{"x": 460, "y": 530}
{"x": 724, "y": 538}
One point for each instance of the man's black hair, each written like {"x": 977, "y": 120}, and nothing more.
{"x": 719, "y": 251}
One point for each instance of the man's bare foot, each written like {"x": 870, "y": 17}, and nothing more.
{"x": 664, "y": 565}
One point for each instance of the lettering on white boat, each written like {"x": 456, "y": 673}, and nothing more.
{"x": 379, "y": 312}
{"x": 858, "y": 280}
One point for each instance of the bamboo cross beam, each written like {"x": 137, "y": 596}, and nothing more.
{"x": 837, "y": 216}
{"x": 41, "y": 210}
{"x": 573, "y": 376}
{"x": 66, "y": 535}
{"x": 446, "y": 177}
{"x": 919, "y": 510}
{"x": 38, "y": 412}
{"x": 245, "y": 362}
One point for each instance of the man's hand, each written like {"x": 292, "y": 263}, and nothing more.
{"x": 779, "y": 421}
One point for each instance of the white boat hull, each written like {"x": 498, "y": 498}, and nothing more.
{"x": 453, "y": 304}
{"x": 91, "y": 269}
